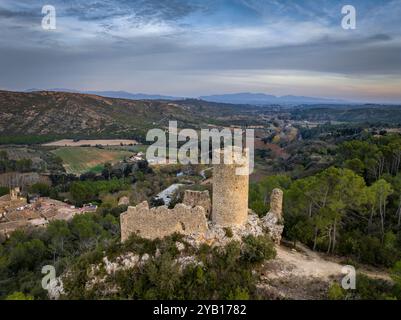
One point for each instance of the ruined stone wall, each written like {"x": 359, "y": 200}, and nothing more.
{"x": 198, "y": 198}
{"x": 276, "y": 203}
{"x": 230, "y": 195}
{"x": 273, "y": 221}
{"x": 161, "y": 222}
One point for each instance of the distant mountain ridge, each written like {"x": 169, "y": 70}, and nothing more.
{"x": 233, "y": 98}
{"x": 262, "y": 99}
{"x": 133, "y": 96}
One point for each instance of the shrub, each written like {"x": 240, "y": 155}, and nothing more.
{"x": 228, "y": 232}
{"x": 4, "y": 191}
{"x": 41, "y": 189}
{"x": 336, "y": 292}
{"x": 19, "y": 296}
{"x": 372, "y": 289}
{"x": 257, "y": 249}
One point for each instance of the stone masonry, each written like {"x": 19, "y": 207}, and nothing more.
{"x": 276, "y": 203}
{"x": 198, "y": 198}
{"x": 230, "y": 194}
{"x": 161, "y": 222}
{"x": 273, "y": 221}
{"x": 229, "y": 209}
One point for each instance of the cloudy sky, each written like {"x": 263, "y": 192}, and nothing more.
{"x": 199, "y": 47}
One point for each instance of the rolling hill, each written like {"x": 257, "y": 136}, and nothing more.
{"x": 71, "y": 114}
{"x": 77, "y": 115}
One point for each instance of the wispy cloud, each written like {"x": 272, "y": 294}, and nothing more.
{"x": 190, "y": 39}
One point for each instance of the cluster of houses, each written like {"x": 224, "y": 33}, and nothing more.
{"x": 17, "y": 213}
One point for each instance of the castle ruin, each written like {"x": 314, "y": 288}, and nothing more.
{"x": 198, "y": 198}
{"x": 273, "y": 220}
{"x": 159, "y": 222}
{"x": 206, "y": 220}
{"x": 230, "y": 193}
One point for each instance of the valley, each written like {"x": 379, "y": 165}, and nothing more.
{"x": 92, "y": 164}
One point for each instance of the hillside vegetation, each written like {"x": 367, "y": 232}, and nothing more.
{"x": 61, "y": 114}
{"x": 369, "y": 113}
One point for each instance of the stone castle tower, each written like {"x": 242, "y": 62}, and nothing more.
{"x": 230, "y": 192}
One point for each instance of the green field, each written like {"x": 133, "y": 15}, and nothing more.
{"x": 78, "y": 160}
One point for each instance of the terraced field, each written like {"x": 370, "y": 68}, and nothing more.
{"x": 78, "y": 160}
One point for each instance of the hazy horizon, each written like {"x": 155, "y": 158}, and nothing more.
{"x": 195, "y": 48}
{"x": 336, "y": 100}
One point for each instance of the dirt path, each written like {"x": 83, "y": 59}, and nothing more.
{"x": 304, "y": 274}
{"x": 306, "y": 263}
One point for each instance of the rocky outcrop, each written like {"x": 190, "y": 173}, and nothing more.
{"x": 161, "y": 222}
{"x": 123, "y": 201}
{"x": 55, "y": 289}
{"x": 217, "y": 235}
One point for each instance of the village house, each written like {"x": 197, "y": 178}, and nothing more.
{"x": 16, "y": 212}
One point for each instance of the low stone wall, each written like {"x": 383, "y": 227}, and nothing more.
{"x": 152, "y": 223}
{"x": 198, "y": 198}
